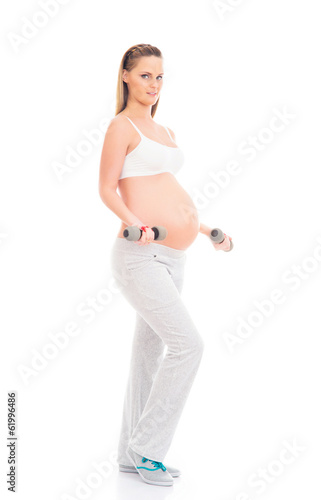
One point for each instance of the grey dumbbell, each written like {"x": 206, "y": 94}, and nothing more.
{"x": 134, "y": 233}
{"x": 217, "y": 236}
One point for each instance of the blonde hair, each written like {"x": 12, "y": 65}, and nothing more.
{"x": 128, "y": 62}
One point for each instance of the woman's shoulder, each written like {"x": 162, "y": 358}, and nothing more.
{"x": 120, "y": 123}
{"x": 120, "y": 118}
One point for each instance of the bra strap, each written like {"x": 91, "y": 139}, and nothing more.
{"x": 168, "y": 133}
{"x": 135, "y": 127}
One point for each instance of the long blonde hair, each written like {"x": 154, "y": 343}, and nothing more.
{"x": 128, "y": 62}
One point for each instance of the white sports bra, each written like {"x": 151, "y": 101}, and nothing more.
{"x": 151, "y": 158}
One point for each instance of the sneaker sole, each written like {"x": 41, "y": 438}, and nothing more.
{"x": 156, "y": 483}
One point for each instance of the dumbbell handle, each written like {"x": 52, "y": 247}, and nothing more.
{"x": 134, "y": 233}
{"x": 217, "y": 236}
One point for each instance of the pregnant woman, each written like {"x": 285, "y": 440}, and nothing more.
{"x": 140, "y": 158}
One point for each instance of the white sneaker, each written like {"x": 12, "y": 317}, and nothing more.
{"x": 131, "y": 468}
{"x": 150, "y": 471}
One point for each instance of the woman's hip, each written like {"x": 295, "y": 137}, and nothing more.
{"x": 146, "y": 271}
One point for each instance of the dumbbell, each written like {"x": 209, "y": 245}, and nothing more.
{"x": 134, "y": 233}
{"x": 217, "y": 236}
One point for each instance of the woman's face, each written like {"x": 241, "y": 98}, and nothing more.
{"x": 145, "y": 80}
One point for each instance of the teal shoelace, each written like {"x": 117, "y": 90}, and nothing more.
{"x": 157, "y": 465}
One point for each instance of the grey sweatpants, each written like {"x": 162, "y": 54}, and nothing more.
{"x": 151, "y": 278}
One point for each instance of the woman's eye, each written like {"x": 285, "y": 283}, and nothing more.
{"x": 157, "y": 77}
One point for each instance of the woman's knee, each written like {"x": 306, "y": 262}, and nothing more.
{"x": 199, "y": 345}
{"x": 194, "y": 345}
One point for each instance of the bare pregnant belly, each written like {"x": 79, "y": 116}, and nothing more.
{"x": 159, "y": 200}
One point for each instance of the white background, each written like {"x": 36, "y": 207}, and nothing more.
{"x": 226, "y": 72}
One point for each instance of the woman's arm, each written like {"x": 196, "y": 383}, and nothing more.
{"x": 114, "y": 202}
{"x": 205, "y": 229}
{"x": 224, "y": 245}
{"x": 112, "y": 159}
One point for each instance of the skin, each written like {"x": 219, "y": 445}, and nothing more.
{"x": 149, "y": 200}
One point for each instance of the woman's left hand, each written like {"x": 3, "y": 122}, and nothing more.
{"x": 225, "y": 245}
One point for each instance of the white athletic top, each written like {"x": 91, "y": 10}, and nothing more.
{"x": 151, "y": 157}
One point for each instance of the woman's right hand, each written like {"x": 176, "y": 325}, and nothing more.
{"x": 147, "y": 235}
{"x": 224, "y": 245}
